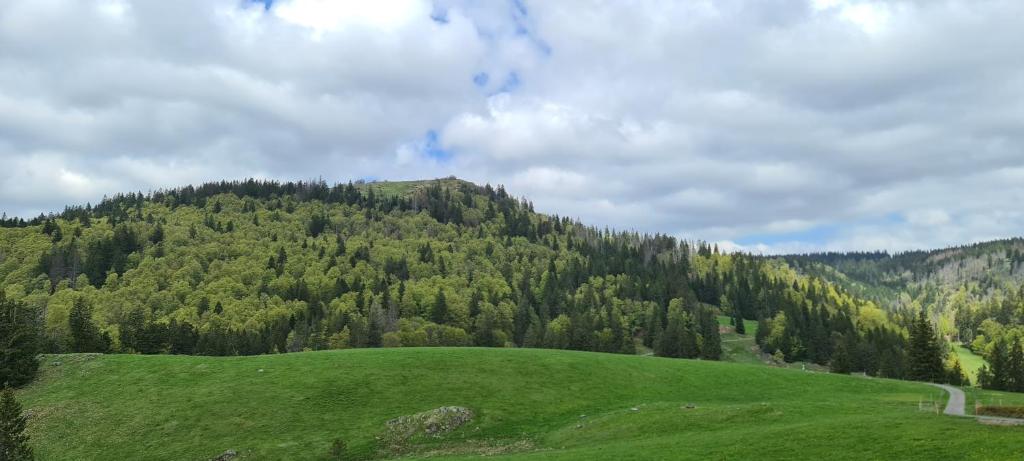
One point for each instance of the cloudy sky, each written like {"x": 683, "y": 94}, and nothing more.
{"x": 768, "y": 125}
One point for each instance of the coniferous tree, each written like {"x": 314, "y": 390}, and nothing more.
{"x": 842, "y": 360}
{"x": 1015, "y": 367}
{"x": 679, "y": 338}
{"x": 711, "y": 340}
{"x": 984, "y": 377}
{"x": 522, "y": 320}
{"x": 158, "y": 234}
{"x": 13, "y": 440}
{"x": 924, "y": 353}
{"x": 741, "y": 329}
{"x": 439, "y": 313}
{"x": 85, "y": 335}
{"x": 956, "y": 375}
{"x": 604, "y": 287}
{"x": 997, "y": 374}
{"x": 19, "y": 343}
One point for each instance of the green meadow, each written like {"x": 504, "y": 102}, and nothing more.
{"x": 528, "y": 404}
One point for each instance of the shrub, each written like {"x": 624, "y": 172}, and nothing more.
{"x": 339, "y": 450}
{"x": 1001, "y": 411}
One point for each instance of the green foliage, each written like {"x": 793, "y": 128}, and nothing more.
{"x": 19, "y": 343}
{"x": 529, "y": 404}
{"x": 13, "y": 439}
{"x": 973, "y": 293}
{"x": 1005, "y": 371}
{"x": 339, "y": 450}
{"x": 956, "y": 375}
{"x": 85, "y": 336}
{"x": 261, "y": 267}
{"x": 242, "y": 268}
{"x": 924, "y": 355}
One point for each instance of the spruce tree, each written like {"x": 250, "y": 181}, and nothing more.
{"x": 1015, "y": 367}
{"x": 85, "y": 336}
{"x": 19, "y": 343}
{"x": 439, "y": 314}
{"x": 997, "y": 376}
{"x": 841, "y": 362}
{"x": 13, "y": 440}
{"x": 521, "y": 321}
{"x": 956, "y": 375}
{"x": 711, "y": 344}
{"x": 924, "y": 355}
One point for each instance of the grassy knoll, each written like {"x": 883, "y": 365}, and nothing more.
{"x": 530, "y": 404}
{"x": 970, "y": 362}
{"x": 402, "y": 188}
{"x": 738, "y": 348}
{"x": 749, "y": 325}
{"x": 743, "y": 348}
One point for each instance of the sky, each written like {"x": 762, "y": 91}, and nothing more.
{"x": 764, "y": 125}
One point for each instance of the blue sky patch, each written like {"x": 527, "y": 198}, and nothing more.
{"x": 432, "y": 148}
{"x": 510, "y": 84}
{"x": 480, "y": 79}
{"x": 266, "y": 3}
{"x": 439, "y": 15}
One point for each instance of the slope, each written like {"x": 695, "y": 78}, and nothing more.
{"x": 529, "y": 404}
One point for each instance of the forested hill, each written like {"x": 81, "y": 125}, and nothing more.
{"x": 973, "y": 293}
{"x": 991, "y": 265}
{"x": 258, "y": 267}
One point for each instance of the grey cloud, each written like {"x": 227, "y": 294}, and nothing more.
{"x": 720, "y": 120}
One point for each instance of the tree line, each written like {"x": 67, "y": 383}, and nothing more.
{"x": 256, "y": 267}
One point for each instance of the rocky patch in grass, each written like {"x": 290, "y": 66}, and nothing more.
{"x": 435, "y": 424}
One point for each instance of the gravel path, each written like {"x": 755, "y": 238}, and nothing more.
{"x": 955, "y": 405}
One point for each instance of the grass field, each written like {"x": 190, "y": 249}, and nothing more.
{"x": 970, "y": 362}
{"x": 987, "y": 397}
{"x": 738, "y": 348}
{"x": 530, "y": 404}
{"x": 402, "y": 188}
{"x": 749, "y": 325}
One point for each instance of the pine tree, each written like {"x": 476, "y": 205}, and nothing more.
{"x": 13, "y": 440}
{"x": 711, "y": 340}
{"x": 956, "y": 374}
{"x": 203, "y": 306}
{"x": 439, "y": 314}
{"x": 282, "y": 259}
{"x": 924, "y": 354}
{"x": 158, "y": 234}
{"x": 842, "y": 360}
{"x": 984, "y": 377}
{"x": 1015, "y": 367}
{"x": 85, "y": 335}
{"x": 679, "y": 338}
{"x": 997, "y": 375}
{"x": 521, "y": 321}
{"x": 19, "y": 343}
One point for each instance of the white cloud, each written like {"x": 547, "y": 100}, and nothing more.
{"x": 929, "y": 217}
{"x": 889, "y": 124}
{"x": 324, "y": 16}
